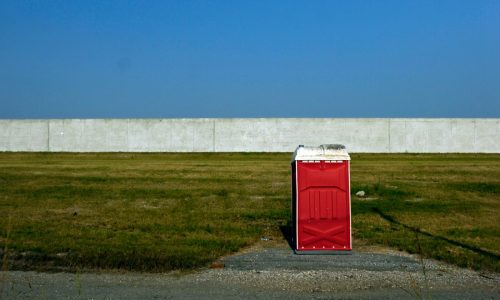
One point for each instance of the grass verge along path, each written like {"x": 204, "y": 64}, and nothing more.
{"x": 159, "y": 212}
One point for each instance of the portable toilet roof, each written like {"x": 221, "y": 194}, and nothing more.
{"x": 322, "y": 152}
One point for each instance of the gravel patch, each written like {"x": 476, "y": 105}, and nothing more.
{"x": 270, "y": 273}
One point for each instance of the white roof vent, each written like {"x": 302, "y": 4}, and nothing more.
{"x": 322, "y": 152}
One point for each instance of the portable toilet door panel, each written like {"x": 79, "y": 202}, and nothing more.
{"x": 321, "y": 200}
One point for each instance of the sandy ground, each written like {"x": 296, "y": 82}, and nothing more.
{"x": 270, "y": 271}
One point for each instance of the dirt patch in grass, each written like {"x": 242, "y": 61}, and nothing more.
{"x": 158, "y": 212}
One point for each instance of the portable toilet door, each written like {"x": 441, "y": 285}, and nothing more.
{"x": 321, "y": 200}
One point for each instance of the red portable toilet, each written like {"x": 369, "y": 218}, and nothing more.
{"x": 321, "y": 200}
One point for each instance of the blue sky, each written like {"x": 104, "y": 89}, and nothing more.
{"x": 168, "y": 59}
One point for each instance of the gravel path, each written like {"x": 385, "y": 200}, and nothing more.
{"x": 270, "y": 272}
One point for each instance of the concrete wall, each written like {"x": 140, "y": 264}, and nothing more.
{"x": 260, "y": 135}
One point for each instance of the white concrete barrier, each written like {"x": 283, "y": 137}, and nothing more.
{"x": 250, "y": 135}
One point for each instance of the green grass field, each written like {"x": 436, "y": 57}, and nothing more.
{"x": 159, "y": 212}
